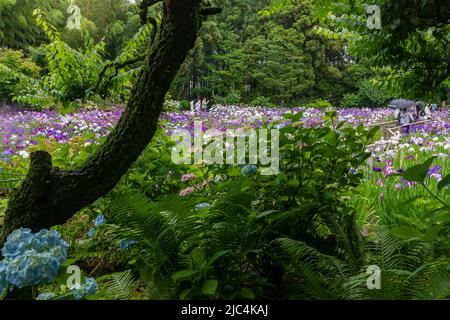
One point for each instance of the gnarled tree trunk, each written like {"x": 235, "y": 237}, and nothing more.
{"x": 50, "y": 196}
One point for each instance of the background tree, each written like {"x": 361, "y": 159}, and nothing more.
{"x": 117, "y": 20}
{"x": 18, "y": 29}
{"x": 249, "y": 54}
{"x": 412, "y": 45}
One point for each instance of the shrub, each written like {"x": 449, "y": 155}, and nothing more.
{"x": 16, "y": 60}
{"x": 185, "y": 105}
{"x": 233, "y": 97}
{"x": 319, "y": 103}
{"x": 374, "y": 96}
{"x": 16, "y": 73}
{"x": 172, "y": 106}
{"x": 194, "y": 246}
{"x": 352, "y": 100}
{"x": 262, "y": 102}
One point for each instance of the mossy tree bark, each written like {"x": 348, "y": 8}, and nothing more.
{"x": 50, "y": 196}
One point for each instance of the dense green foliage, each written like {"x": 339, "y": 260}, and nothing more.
{"x": 411, "y": 44}
{"x": 117, "y": 20}
{"x": 290, "y": 236}
{"x": 290, "y": 53}
{"x": 16, "y": 73}
{"x": 69, "y": 74}
{"x": 243, "y": 55}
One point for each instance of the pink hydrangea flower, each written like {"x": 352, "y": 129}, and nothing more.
{"x": 187, "y": 191}
{"x": 187, "y": 177}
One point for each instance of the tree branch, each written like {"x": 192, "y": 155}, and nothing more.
{"x": 143, "y": 9}
{"x": 117, "y": 66}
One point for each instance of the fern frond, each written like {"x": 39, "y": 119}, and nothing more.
{"x": 119, "y": 286}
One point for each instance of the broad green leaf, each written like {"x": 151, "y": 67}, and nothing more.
{"x": 183, "y": 274}
{"x": 405, "y": 232}
{"x": 3, "y": 295}
{"x": 217, "y": 255}
{"x": 266, "y": 213}
{"x": 443, "y": 217}
{"x": 247, "y": 293}
{"x": 297, "y": 117}
{"x": 185, "y": 294}
{"x": 234, "y": 172}
{"x": 419, "y": 172}
{"x": 373, "y": 132}
{"x": 432, "y": 232}
{"x": 444, "y": 182}
{"x": 210, "y": 287}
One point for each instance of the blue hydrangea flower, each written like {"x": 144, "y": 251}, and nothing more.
{"x": 202, "y": 206}
{"x": 125, "y": 244}
{"x": 50, "y": 241}
{"x": 249, "y": 169}
{"x": 32, "y": 268}
{"x": 17, "y": 243}
{"x": 46, "y": 296}
{"x": 89, "y": 288}
{"x": 47, "y": 239}
{"x": 91, "y": 232}
{"x": 99, "y": 220}
{"x": 31, "y": 259}
{"x": 78, "y": 294}
{"x": 60, "y": 253}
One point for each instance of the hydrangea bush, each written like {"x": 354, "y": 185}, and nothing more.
{"x": 31, "y": 259}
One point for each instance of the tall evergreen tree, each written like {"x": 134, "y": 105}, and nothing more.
{"x": 280, "y": 56}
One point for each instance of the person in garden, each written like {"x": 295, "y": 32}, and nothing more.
{"x": 198, "y": 106}
{"x": 205, "y": 104}
{"x": 404, "y": 118}
{"x": 422, "y": 111}
{"x": 399, "y": 104}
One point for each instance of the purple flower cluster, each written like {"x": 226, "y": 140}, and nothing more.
{"x": 19, "y": 130}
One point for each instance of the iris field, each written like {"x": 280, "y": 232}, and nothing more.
{"x": 139, "y": 234}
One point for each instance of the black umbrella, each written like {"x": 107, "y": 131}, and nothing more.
{"x": 402, "y": 103}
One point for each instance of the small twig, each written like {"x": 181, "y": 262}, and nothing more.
{"x": 117, "y": 66}
{"x": 434, "y": 196}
